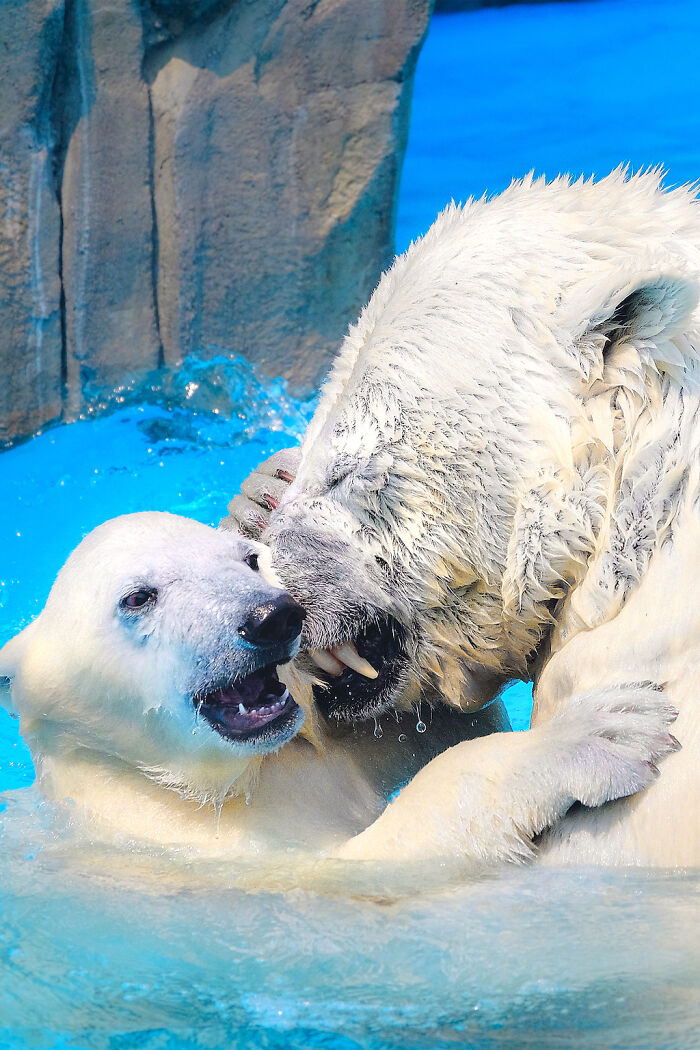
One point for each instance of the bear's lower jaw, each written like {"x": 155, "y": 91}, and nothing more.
{"x": 256, "y": 710}
{"x": 351, "y": 696}
{"x": 341, "y": 703}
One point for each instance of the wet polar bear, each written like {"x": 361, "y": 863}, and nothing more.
{"x": 502, "y": 480}
{"x": 151, "y": 692}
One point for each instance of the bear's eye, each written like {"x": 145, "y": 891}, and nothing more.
{"x": 251, "y": 561}
{"x": 140, "y": 599}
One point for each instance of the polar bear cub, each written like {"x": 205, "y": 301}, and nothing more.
{"x": 152, "y": 693}
{"x": 152, "y": 685}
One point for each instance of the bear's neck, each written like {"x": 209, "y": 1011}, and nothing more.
{"x": 297, "y": 799}
{"x": 654, "y": 481}
{"x": 109, "y": 792}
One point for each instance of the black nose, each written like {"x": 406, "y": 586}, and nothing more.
{"x": 273, "y": 623}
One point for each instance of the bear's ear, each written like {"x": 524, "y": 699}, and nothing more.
{"x": 11, "y": 656}
{"x": 656, "y": 309}
{"x": 6, "y": 695}
{"x": 651, "y": 312}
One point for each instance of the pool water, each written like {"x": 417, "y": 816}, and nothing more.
{"x": 554, "y": 87}
{"x": 568, "y": 960}
{"x": 574, "y": 960}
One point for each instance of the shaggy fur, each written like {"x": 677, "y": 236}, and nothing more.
{"x": 507, "y": 443}
{"x": 108, "y": 699}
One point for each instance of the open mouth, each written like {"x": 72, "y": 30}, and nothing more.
{"x": 256, "y": 708}
{"x": 365, "y": 676}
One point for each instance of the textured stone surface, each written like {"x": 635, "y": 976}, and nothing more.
{"x": 183, "y": 177}
{"x": 30, "y": 322}
{"x": 279, "y": 134}
{"x": 108, "y": 248}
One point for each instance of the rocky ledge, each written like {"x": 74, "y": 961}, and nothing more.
{"x": 178, "y": 176}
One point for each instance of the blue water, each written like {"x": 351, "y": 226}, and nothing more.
{"x": 577, "y": 87}
{"x": 568, "y": 960}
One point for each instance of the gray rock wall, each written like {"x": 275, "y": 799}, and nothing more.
{"x": 30, "y": 288}
{"x": 186, "y": 176}
{"x": 446, "y": 7}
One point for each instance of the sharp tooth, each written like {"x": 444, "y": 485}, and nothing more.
{"x": 242, "y": 710}
{"x": 326, "y": 661}
{"x": 349, "y": 655}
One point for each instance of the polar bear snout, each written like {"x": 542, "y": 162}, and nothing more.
{"x": 354, "y": 634}
{"x": 275, "y": 622}
{"x": 238, "y": 693}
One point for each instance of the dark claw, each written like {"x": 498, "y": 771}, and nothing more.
{"x": 284, "y": 475}
{"x": 272, "y": 503}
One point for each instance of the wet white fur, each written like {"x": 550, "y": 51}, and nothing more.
{"x": 513, "y": 426}
{"x": 106, "y": 703}
{"x": 106, "y": 707}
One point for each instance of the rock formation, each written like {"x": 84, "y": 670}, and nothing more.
{"x": 183, "y": 177}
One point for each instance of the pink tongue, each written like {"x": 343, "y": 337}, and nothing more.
{"x": 257, "y": 694}
{"x": 249, "y": 691}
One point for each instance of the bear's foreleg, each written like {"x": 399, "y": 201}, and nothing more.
{"x": 484, "y": 801}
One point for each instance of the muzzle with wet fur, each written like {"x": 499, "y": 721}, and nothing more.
{"x": 355, "y": 636}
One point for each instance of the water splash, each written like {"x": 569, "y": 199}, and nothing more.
{"x": 226, "y": 395}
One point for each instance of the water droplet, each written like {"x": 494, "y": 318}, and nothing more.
{"x": 402, "y": 737}
{"x": 421, "y": 726}
{"x": 378, "y": 731}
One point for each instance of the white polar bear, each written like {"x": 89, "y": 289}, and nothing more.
{"x": 502, "y": 480}
{"x": 149, "y": 695}
{"x": 150, "y": 690}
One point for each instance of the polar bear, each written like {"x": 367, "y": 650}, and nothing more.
{"x": 502, "y": 481}
{"x": 151, "y": 692}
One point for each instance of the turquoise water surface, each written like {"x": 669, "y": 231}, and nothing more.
{"x": 572, "y": 960}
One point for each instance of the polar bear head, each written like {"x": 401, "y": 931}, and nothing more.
{"x": 159, "y": 647}
{"x": 472, "y": 458}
